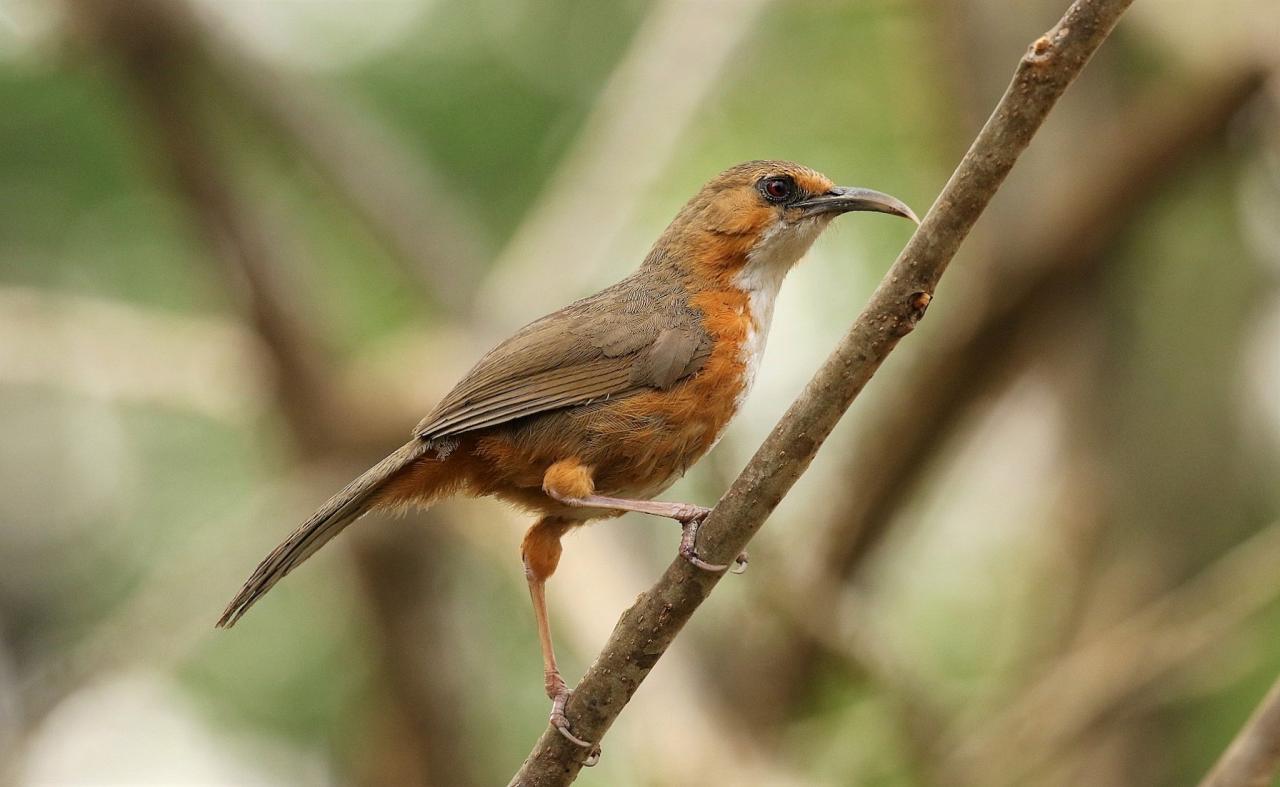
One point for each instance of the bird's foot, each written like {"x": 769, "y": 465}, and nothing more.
{"x": 560, "y": 697}
{"x": 691, "y": 518}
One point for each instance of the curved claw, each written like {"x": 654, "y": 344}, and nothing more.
{"x": 592, "y": 758}
{"x": 561, "y": 723}
{"x": 563, "y": 729}
{"x": 688, "y": 544}
{"x": 704, "y": 565}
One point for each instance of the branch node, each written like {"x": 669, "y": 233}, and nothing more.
{"x": 1039, "y": 52}
{"x": 1042, "y": 49}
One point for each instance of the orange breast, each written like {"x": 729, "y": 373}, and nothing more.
{"x": 636, "y": 446}
{"x": 659, "y": 434}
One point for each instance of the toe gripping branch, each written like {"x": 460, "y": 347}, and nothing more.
{"x": 561, "y": 723}
{"x": 690, "y": 521}
{"x": 689, "y": 540}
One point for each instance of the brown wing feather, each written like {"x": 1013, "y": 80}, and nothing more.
{"x": 639, "y": 334}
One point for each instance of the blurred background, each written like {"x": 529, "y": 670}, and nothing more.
{"x": 245, "y": 245}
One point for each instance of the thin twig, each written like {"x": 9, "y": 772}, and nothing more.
{"x": 647, "y": 629}
{"x": 1254, "y": 756}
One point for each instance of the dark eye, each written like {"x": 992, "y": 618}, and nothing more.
{"x": 777, "y": 189}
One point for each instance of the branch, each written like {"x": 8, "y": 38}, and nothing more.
{"x": 1254, "y": 756}
{"x": 966, "y": 362}
{"x": 646, "y": 630}
{"x": 87, "y": 345}
{"x": 1104, "y": 675}
{"x": 155, "y": 58}
{"x": 437, "y": 241}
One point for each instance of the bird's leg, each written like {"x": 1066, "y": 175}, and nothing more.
{"x": 570, "y": 482}
{"x": 541, "y": 553}
{"x": 689, "y": 516}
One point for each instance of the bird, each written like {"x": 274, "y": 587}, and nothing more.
{"x": 596, "y": 409}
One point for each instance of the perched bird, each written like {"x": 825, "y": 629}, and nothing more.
{"x": 597, "y": 408}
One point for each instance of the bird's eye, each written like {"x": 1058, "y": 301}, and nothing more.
{"x": 777, "y": 189}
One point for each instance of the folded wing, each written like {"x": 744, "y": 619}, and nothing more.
{"x": 629, "y": 338}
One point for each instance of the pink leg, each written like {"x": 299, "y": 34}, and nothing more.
{"x": 541, "y": 553}
{"x": 688, "y": 515}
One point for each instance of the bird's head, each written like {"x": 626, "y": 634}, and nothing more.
{"x": 756, "y": 220}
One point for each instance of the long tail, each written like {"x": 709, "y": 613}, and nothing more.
{"x": 355, "y": 499}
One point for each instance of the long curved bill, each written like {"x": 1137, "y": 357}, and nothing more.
{"x": 842, "y": 199}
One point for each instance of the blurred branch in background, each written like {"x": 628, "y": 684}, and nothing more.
{"x": 396, "y": 193}
{"x": 968, "y": 362}
{"x": 1137, "y": 158}
{"x": 1254, "y": 755}
{"x": 154, "y": 60}
{"x": 1067, "y": 593}
{"x": 86, "y": 344}
{"x": 675, "y": 61}
{"x": 1050, "y": 64}
{"x": 849, "y": 629}
{"x": 424, "y": 693}
{"x": 1116, "y": 667}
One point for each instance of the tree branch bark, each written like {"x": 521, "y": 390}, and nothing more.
{"x": 1254, "y": 756}
{"x": 646, "y": 630}
{"x": 968, "y": 361}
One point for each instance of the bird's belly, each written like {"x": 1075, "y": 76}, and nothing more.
{"x": 657, "y": 435}
{"x": 645, "y": 489}
{"x": 665, "y": 432}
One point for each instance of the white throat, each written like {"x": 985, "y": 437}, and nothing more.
{"x": 761, "y": 278}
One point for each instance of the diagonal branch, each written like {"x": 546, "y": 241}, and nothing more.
{"x": 646, "y": 630}
{"x": 1254, "y": 756}
{"x": 155, "y": 62}
{"x": 963, "y": 364}
{"x": 437, "y": 242}
{"x": 1106, "y": 674}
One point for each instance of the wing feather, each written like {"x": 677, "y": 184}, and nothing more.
{"x": 638, "y": 335}
{"x": 536, "y": 396}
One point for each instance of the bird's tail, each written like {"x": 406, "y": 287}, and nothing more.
{"x": 355, "y": 499}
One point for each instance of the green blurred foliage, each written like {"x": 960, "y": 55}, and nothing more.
{"x": 101, "y": 493}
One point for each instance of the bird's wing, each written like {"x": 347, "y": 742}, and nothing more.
{"x": 629, "y": 338}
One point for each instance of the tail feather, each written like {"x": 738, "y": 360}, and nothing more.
{"x": 348, "y": 505}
